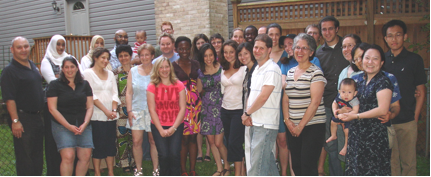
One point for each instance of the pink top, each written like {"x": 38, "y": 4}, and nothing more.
{"x": 167, "y": 101}
{"x": 137, "y": 44}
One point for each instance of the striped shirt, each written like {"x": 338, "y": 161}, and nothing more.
{"x": 300, "y": 95}
{"x": 268, "y": 115}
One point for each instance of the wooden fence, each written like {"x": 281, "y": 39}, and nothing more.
{"x": 76, "y": 46}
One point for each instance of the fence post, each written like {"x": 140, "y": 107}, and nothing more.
{"x": 235, "y": 12}
{"x": 370, "y": 21}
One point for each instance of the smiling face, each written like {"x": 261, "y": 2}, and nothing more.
{"x": 69, "y": 70}
{"x": 372, "y": 61}
{"x": 348, "y": 44}
{"x": 183, "y": 50}
{"x": 250, "y": 34}
{"x": 20, "y": 49}
{"x": 395, "y": 37}
{"x": 124, "y": 58}
{"x": 102, "y": 61}
{"x": 99, "y": 43}
{"x": 244, "y": 56}
{"x": 288, "y": 44}
{"x": 358, "y": 58}
{"x": 121, "y": 37}
{"x": 238, "y": 36}
{"x": 146, "y": 56}
{"x": 302, "y": 51}
{"x": 166, "y": 46}
{"x": 209, "y": 57}
{"x": 260, "y": 51}
{"x": 313, "y": 31}
{"x": 274, "y": 34}
{"x": 347, "y": 92}
{"x": 229, "y": 53}
{"x": 216, "y": 43}
{"x": 164, "y": 69}
{"x": 199, "y": 43}
{"x": 61, "y": 45}
{"x": 329, "y": 32}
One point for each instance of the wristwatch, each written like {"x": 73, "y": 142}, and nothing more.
{"x": 114, "y": 110}
{"x": 15, "y": 120}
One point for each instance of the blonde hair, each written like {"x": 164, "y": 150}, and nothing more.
{"x": 155, "y": 75}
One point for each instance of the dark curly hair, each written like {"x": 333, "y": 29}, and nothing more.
{"x": 224, "y": 63}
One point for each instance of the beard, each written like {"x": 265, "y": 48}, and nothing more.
{"x": 117, "y": 43}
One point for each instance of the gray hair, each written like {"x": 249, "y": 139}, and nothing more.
{"x": 16, "y": 38}
{"x": 310, "y": 42}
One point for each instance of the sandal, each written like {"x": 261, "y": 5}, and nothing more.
{"x": 126, "y": 170}
{"x": 207, "y": 158}
{"x": 156, "y": 172}
{"x": 199, "y": 159}
{"x": 217, "y": 173}
{"x": 192, "y": 173}
{"x": 225, "y": 172}
{"x": 184, "y": 174}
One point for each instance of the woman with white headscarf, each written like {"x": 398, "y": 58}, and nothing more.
{"x": 96, "y": 41}
{"x": 50, "y": 69}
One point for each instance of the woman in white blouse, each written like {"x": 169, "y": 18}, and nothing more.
{"x": 96, "y": 41}
{"x": 232, "y": 78}
{"x": 103, "y": 121}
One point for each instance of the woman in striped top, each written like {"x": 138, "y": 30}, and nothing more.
{"x": 303, "y": 110}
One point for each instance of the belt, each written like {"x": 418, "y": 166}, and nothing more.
{"x": 30, "y": 112}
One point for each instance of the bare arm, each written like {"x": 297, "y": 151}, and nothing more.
{"x": 180, "y": 116}
{"x": 17, "y": 128}
{"x": 88, "y": 114}
{"x": 335, "y": 109}
{"x": 151, "y": 102}
{"x": 199, "y": 85}
{"x": 286, "y": 114}
{"x": 383, "y": 98}
{"x": 129, "y": 98}
{"x": 419, "y": 100}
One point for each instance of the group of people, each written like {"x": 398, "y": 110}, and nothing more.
{"x": 258, "y": 97}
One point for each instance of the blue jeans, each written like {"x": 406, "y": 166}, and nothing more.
{"x": 335, "y": 168}
{"x": 169, "y": 149}
{"x": 262, "y": 158}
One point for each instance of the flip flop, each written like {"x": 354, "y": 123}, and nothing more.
{"x": 199, "y": 159}
{"x": 207, "y": 158}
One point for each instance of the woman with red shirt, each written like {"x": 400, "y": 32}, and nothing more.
{"x": 166, "y": 98}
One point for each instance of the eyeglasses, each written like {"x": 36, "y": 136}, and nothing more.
{"x": 312, "y": 33}
{"x": 302, "y": 48}
{"x": 349, "y": 46}
{"x": 121, "y": 36}
{"x": 167, "y": 30}
{"x": 397, "y": 36}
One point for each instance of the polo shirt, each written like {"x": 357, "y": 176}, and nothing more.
{"x": 174, "y": 57}
{"x": 408, "y": 68}
{"x": 269, "y": 114}
{"x": 332, "y": 63}
{"x": 23, "y": 85}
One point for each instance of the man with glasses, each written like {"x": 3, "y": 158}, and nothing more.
{"x": 314, "y": 31}
{"x": 332, "y": 62}
{"x": 166, "y": 27}
{"x": 408, "y": 68}
{"x": 121, "y": 38}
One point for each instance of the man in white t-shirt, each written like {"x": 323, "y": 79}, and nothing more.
{"x": 263, "y": 109}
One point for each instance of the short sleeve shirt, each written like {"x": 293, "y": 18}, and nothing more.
{"x": 300, "y": 95}
{"x": 72, "y": 104}
{"x": 23, "y": 85}
{"x": 167, "y": 101}
{"x": 408, "y": 68}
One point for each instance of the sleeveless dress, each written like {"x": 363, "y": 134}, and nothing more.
{"x": 211, "y": 103}
{"x": 193, "y": 100}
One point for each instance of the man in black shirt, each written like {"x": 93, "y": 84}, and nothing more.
{"x": 408, "y": 68}
{"x": 21, "y": 86}
{"x": 332, "y": 62}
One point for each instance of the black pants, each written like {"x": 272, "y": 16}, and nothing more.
{"x": 169, "y": 149}
{"x": 234, "y": 133}
{"x": 52, "y": 156}
{"x": 29, "y": 148}
{"x": 305, "y": 149}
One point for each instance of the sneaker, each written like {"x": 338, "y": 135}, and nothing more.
{"x": 156, "y": 172}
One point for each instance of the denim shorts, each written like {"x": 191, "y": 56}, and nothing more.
{"x": 64, "y": 138}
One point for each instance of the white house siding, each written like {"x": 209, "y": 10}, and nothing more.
{"x": 26, "y": 18}
{"x": 33, "y": 19}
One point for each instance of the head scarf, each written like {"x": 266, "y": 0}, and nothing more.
{"x": 92, "y": 46}
{"x": 51, "y": 50}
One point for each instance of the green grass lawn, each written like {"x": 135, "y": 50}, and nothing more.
{"x": 7, "y": 161}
